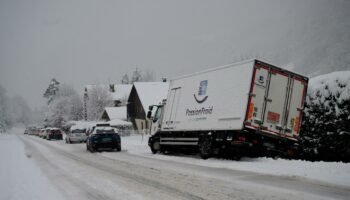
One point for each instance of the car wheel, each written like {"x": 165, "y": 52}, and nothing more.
{"x": 119, "y": 149}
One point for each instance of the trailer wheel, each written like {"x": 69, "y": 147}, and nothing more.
{"x": 155, "y": 146}
{"x": 206, "y": 147}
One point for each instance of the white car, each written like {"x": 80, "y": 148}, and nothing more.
{"x": 76, "y": 135}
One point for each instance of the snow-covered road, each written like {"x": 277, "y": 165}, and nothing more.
{"x": 68, "y": 171}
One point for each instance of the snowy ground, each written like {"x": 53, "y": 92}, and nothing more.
{"x": 41, "y": 169}
{"x": 20, "y": 176}
{"x": 329, "y": 172}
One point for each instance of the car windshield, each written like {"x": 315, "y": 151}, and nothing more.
{"x": 102, "y": 136}
{"x": 105, "y": 131}
{"x": 55, "y": 131}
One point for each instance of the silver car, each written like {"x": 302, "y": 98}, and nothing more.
{"x": 76, "y": 135}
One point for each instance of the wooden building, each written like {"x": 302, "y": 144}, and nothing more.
{"x": 142, "y": 95}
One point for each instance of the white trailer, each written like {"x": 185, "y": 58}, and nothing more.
{"x": 244, "y": 106}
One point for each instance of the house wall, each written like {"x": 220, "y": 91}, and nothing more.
{"x": 135, "y": 111}
{"x": 142, "y": 125}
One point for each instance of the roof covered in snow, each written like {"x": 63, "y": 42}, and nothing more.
{"x": 122, "y": 91}
{"x": 116, "y": 112}
{"x": 151, "y": 93}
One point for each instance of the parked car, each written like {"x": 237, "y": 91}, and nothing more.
{"x": 37, "y": 131}
{"x": 53, "y": 133}
{"x": 42, "y": 133}
{"x": 76, "y": 135}
{"x": 103, "y": 139}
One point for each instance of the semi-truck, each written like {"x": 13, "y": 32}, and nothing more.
{"x": 241, "y": 109}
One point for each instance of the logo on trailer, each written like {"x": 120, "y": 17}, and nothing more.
{"x": 261, "y": 79}
{"x": 202, "y": 91}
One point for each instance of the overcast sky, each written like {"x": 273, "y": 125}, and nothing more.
{"x": 83, "y": 42}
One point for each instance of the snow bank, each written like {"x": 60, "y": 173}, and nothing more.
{"x": 330, "y": 172}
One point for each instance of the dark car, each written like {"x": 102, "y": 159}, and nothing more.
{"x": 103, "y": 140}
{"x": 54, "y": 134}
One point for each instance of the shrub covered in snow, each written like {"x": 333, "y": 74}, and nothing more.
{"x": 326, "y": 125}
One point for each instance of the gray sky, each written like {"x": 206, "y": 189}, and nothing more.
{"x": 97, "y": 41}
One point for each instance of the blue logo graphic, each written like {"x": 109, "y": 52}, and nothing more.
{"x": 203, "y": 87}
{"x": 202, "y": 91}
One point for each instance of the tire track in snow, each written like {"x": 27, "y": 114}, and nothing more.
{"x": 87, "y": 191}
{"x": 130, "y": 176}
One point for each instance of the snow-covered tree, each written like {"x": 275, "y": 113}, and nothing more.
{"x": 125, "y": 79}
{"x": 325, "y": 129}
{"x": 149, "y": 76}
{"x": 59, "y": 112}
{"x": 65, "y": 106}
{"x": 98, "y": 99}
{"x": 136, "y": 76}
{"x": 51, "y": 91}
{"x": 77, "y": 108}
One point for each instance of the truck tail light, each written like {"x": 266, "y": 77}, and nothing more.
{"x": 241, "y": 138}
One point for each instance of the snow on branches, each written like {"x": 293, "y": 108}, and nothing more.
{"x": 326, "y": 125}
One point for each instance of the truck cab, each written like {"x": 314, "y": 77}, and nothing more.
{"x": 155, "y": 114}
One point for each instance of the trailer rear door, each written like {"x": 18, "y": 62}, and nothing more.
{"x": 297, "y": 96}
{"x": 276, "y": 100}
{"x": 258, "y": 90}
